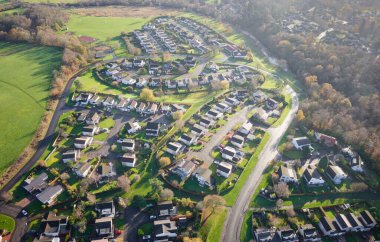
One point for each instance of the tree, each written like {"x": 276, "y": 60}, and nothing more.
{"x": 6, "y": 196}
{"x": 290, "y": 212}
{"x": 187, "y": 239}
{"x": 282, "y": 190}
{"x": 65, "y": 176}
{"x": 275, "y": 178}
{"x": 166, "y": 194}
{"x": 91, "y": 198}
{"x": 147, "y": 94}
{"x": 122, "y": 202}
{"x": 166, "y": 56}
{"x": 212, "y": 203}
{"x": 124, "y": 183}
{"x": 139, "y": 201}
{"x": 157, "y": 185}
{"x": 177, "y": 115}
{"x": 83, "y": 186}
{"x": 164, "y": 161}
{"x": 300, "y": 115}
{"x": 81, "y": 225}
{"x": 78, "y": 85}
{"x": 359, "y": 186}
{"x": 279, "y": 202}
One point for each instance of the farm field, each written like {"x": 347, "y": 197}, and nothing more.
{"x": 25, "y": 75}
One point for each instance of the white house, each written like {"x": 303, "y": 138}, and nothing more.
{"x": 90, "y": 130}
{"x": 128, "y": 145}
{"x": 356, "y": 225}
{"x": 92, "y": 118}
{"x": 132, "y": 105}
{"x": 174, "y": 148}
{"x": 237, "y": 141}
{"x": 109, "y": 101}
{"x": 82, "y": 169}
{"x": 312, "y": 177}
{"x": 164, "y": 229}
{"x": 367, "y": 219}
{"x": 128, "y": 160}
{"x": 232, "y": 101}
{"x": 141, "y": 108}
{"x": 198, "y": 130}
{"x": 70, "y": 155}
{"x": 184, "y": 168}
{"x": 309, "y": 233}
{"x": 83, "y": 142}
{"x": 214, "y": 114}
{"x": 246, "y": 128}
{"x": 224, "y": 169}
{"x": 222, "y": 107}
{"x": 271, "y": 103}
{"x": 287, "y": 174}
{"x": 128, "y": 81}
{"x": 151, "y": 109}
{"x": 203, "y": 176}
{"x": 123, "y": 104}
{"x": 132, "y": 127}
{"x": 48, "y": 195}
{"x": 83, "y": 98}
{"x": 188, "y": 139}
{"x": 343, "y": 223}
{"x": 336, "y": 173}
{"x": 206, "y": 122}
{"x": 142, "y": 83}
{"x": 228, "y": 153}
{"x": 329, "y": 227}
{"x": 301, "y": 142}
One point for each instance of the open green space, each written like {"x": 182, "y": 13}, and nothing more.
{"x": 212, "y": 229}
{"x": 25, "y": 78}
{"x": 246, "y": 229}
{"x": 7, "y": 223}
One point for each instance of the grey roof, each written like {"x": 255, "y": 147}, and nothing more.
{"x": 48, "y": 193}
{"x": 38, "y": 183}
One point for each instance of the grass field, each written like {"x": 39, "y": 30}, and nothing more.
{"x": 212, "y": 229}
{"x": 25, "y": 77}
{"x": 50, "y": 1}
{"x": 7, "y": 223}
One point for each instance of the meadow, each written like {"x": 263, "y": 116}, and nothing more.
{"x": 25, "y": 78}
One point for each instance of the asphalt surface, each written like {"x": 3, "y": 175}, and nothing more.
{"x": 134, "y": 218}
{"x": 232, "y": 226}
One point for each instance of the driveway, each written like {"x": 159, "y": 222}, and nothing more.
{"x": 217, "y": 138}
{"x": 134, "y": 218}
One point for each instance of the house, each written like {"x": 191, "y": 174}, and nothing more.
{"x": 166, "y": 208}
{"x": 174, "y": 148}
{"x": 183, "y": 83}
{"x": 213, "y": 67}
{"x": 206, "y": 122}
{"x": 83, "y": 98}
{"x": 354, "y": 159}
{"x": 132, "y": 127}
{"x": 287, "y": 174}
{"x": 245, "y": 128}
{"x": 123, "y": 104}
{"x": 104, "y": 227}
{"x": 83, "y": 142}
{"x": 141, "y": 83}
{"x": 52, "y": 227}
{"x": 188, "y": 139}
{"x": 271, "y": 103}
{"x": 90, "y": 130}
{"x": 343, "y": 223}
{"x": 335, "y": 173}
{"x": 141, "y": 108}
{"x": 94, "y": 99}
{"x": 138, "y": 63}
{"x": 190, "y": 61}
{"x": 128, "y": 145}
{"x": 222, "y": 107}
{"x": 106, "y": 170}
{"x": 155, "y": 82}
{"x": 356, "y": 225}
{"x": 224, "y": 169}
{"x": 198, "y": 130}
{"x": 127, "y": 64}
{"x": 152, "y": 129}
{"x": 48, "y": 195}
{"x": 214, "y": 114}
{"x": 151, "y": 109}
{"x": 82, "y": 116}
{"x": 259, "y": 96}
{"x": 232, "y": 101}
{"x": 92, "y": 118}
{"x": 108, "y": 101}
{"x": 301, "y": 142}
{"x": 325, "y": 139}
{"x": 128, "y": 160}
{"x": 309, "y": 233}
{"x": 132, "y": 105}
{"x": 329, "y": 227}
{"x": 105, "y": 209}
{"x": 229, "y": 153}
{"x": 237, "y": 141}
{"x": 203, "y": 176}
{"x": 184, "y": 168}
{"x": 287, "y": 234}
{"x": 82, "y": 169}
{"x": 264, "y": 234}
{"x": 164, "y": 229}
{"x": 367, "y": 219}
{"x": 129, "y": 82}
{"x": 70, "y": 155}
{"x": 171, "y": 84}
{"x": 241, "y": 94}
{"x": 38, "y": 184}
{"x": 312, "y": 176}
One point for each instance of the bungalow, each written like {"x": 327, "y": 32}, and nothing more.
{"x": 206, "y": 122}
{"x": 104, "y": 227}
{"x": 128, "y": 82}
{"x": 83, "y": 142}
{"x": 108, "y": 101}
{"x": 132, "y": 105}
{"x": 325, "y": 139}
{"x": 245, "y": 128}
{"x": 155, "y": 82}
{"x": 222, "y": 107}
{"x": 92, "y": 118}
{"x": 203, "y": 81}
{"x": 214, "y": 114}
{"x": 128, "y": 145}
{"x": 132, "y": 127}
{"x": 264, "y": 234}
{"x": 184, "y": 169}
{"x": 312, "y": 177}
{"x": 105, "y": 209}
{"x": 82, "y": 169}
{"x": 237, "y": 141}
{"x": 106, "y": 170}
{"x": 224, "y": 169}
{"x": 239, "y": 54}
{"x": 70, "y": 155}
{"x": 94, "y": 99}
{"x": 271, "y": 103}
{"x": 287, "y": 174}
{"x": 38, "y": 184}
{"x": 171, "y": 84}
{"x": 174, "y": 148}
{"x": 229, "y": 153}
{"x": 138, "y": 63}
{"x": 141, "y": 108}
{"x": 82, "y": 116}
{"x": 164, "y": 229}
{"x": 111, "y": 72}
{"x": 48, "y": 195}
{"x": 123, "y": 104}
{"x": 355, "y": 223}
{"x": 188, "y": 139}
{"x": 203, "y": 176}
{"x": 287, "y": 234}
{"x": 336, "y": 173}
{"x": 367, "y": 219}
{"x": 166, "y": 208}
{"x": 198, "y": 130}
{"x": 151, "y": 109}
{"x": 90, "y": 130}
{"x": 301, "y": 142}
{"x": 309, "y": 233}
{"x": 329, "y": 227}
{"x": 232, "y": 101}
{"x": 128, "y": 160}
{"x": 141, "y": 83}
{"x": 53, "y": 226}
{"x": 152, "y": 129}
{"x": 83, "y": 98}
{"x": 343, "y": 223}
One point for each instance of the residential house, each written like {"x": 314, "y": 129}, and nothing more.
{"x": 128, "y": 160}
{"x": 37, "y": 184}
{"x": 104, "y": 227}
{"x": 132, "y": 105}
{"x": 329, "y": 227}
{"x": 222, "y": 107}
{"x": 52, "y": 227}
{"x": 141, "y": 108}
{"x": 83, "y": 142}
{"x": 184, "y": 168}
{"x": 123, "y": 104}
{"x": 343, "y": 223}
{"x": 232, "y": 101}
{"x": 152, "y": 129}
{"x": 271, "y": 103}
{"x": 309, "y": 233}
{"x": 82, "y": 116}
{"x": 164, "y": 230}
{"x": 129, "y": 81}
{"x": 82, "y": 169}
{"x": 138, "y": 63}
{"x": 259, "y": 96}
{"x": 90, "y": 130}
{"x": 108, "y": 101}
{"x": 237, "y": 141}
{"x": 174, "y": 148}
{"x": 151, "y": 109}
{"x": 128, "y": 145}
{"x": 188, "y": 139}
{"x": 70, "y": 156}
{"x": 213, "y": 67}
{"x": 182, "y": 83}
{"x": 301, "y": 142}
{"x": 94, "y": 99}
{"x": 105, "y": 209}
{"x": 190, "y": 61}
{"x": 245, "y": 128}
{"x": 48, "y": 195}
{"x": 127, "y": 64}
{"x": 224, "y": 169}
{"x": 206, "y": 122}
{"x": 171, "y": 84}
{"x": 287, "y": 234}
{"x": 367, "y": 219}
{"x": 354, "y": 159}
{"x": 203, "y": 176}
{"x": 325, "y": 139}
{"x": 229, "y": 153}
{"x": 313, "y": 177}
{"x": 92, "y": 118}
{"x": 241, "y": 94}
{"x": 264, "y": 234}
{"x": 287, "y": 174}
{"x": 166, "y": 208}
{"x": 141, "y": 83}
{"x": 155, "y": 82}
{"x": 83, "y": 98}
{"x": 356, "y": 225}
{"x": 214, "y": 114}
{"x": 335, "y": 173}
{"x": 132, "y": 127}
{"x": 198, "y": 130}
{"x": 106, "y": 170}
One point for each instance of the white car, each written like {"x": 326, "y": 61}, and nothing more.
{"x": 25, "y": 213}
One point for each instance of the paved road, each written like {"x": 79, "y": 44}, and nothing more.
{"x": 269, "y": 152}
{"x": 21, "y": 221}
{"x": 134, "y": 218}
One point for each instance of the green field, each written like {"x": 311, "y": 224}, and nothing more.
{"x": 7, "y": 223}
{"x": 50, "y": 1}
{"x": 25, "y": 77}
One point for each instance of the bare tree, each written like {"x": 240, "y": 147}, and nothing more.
{"x": 91, "y": 198}
{"x": 282, "y": 190}
{"x": 124, "y": 183}
{"x": 166, "y": 194}
{"x": 290, "y": 212}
